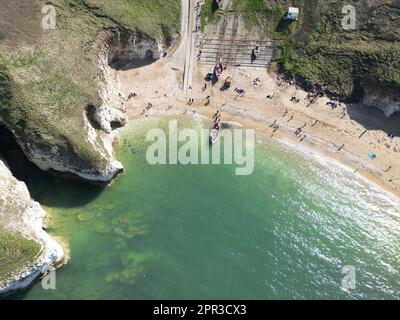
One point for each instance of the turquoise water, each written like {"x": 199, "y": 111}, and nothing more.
{"x": 201, "y": 232}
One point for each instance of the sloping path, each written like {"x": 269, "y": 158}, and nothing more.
{"x": 191, "y": 18}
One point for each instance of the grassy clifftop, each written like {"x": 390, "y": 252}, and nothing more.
{"x": 16, "y": 254}
{"x": 49, "y": 77}
{"x": 155, "y": 17}
{"x": 319, "y": 50}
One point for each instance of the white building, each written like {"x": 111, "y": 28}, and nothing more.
{"x": 292, "y": 13}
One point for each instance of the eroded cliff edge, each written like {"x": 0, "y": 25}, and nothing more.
{"x": 57, "y": 93}
{"x": 27, "y": 251}
{"x": 60, "y": 101}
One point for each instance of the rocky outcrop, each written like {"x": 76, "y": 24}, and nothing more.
{"x": 129, "y": 49}
{"x": 20, "y": 214}
{"x": 382, "y": 98}
{"x": 81, "y": 145}
{"x": 59, "y": 93}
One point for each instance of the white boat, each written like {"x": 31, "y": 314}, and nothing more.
{"x": 214, "y": 134}
{"x": 218, "y": 70}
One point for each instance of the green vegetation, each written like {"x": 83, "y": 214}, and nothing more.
{"x": 153, "y": 17}
{"x": 317, "y": 49}
{"x": 49, "y": 77}
{"x": 209, "y": 13}
{"x": 322, "y": 52}
{"x": 260, "y": 14}
{"x": 16, "y": 253}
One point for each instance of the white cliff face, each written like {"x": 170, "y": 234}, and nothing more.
{"x": 59, "y": 161}
{"x": 111, "y": 111}
{"x": 380, "y": 98}
{"x": 130, "y": 47}
{"x": 19, "y": 213}
{"x": 112, "y": 108}
{"x": 386, "y": 104}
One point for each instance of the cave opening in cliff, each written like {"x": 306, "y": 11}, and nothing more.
{"x": 19, "y": 164}
{"x": 128, "y": 50}
{"x": 37, "y": 180}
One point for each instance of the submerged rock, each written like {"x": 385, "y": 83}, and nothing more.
{"x": 86, "y": 216}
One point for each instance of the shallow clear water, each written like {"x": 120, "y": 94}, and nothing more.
{"x": 201, "y": 232}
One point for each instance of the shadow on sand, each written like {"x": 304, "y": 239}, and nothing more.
{"x": 372, "y": 118}
{"x": 125, "y": 65}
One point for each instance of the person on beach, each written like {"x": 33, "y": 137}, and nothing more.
{"x": 256, "y": 81}
{"x": 216, "y": 116}
{"x": 364, "y": 132}
{"x": 240, "y": 91}
{"x": 131, "y": 95}
{"x": 271, "y": 96}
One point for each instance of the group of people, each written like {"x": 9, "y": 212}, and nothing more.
{"x": 294, "y": 99}
{"x": 240, "y": 91}
{"x": 256, "y": 81}
{"x": 333, "y": 104}
{"x": 132, "y": 95}
{"x": 217, "y": 119}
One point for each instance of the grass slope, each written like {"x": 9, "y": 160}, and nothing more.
{"x": 16, "y": 253}
{"x": 49, "y": 77}
{"x": 317, "y": 48}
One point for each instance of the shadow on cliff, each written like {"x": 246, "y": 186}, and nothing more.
{"x": 48, "y": 189}
{"x": 372, "y": 118}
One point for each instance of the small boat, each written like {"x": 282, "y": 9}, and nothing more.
{"x": 219, "y": 68}
{"x": 256, "y": 51}
{"x": 214, "y": 133}
{"x": 218, "y": 71}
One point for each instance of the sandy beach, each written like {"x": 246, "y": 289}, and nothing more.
{"x": 346, "y": 133}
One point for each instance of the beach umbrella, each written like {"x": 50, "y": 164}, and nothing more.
{"x": 372, "y": 155}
